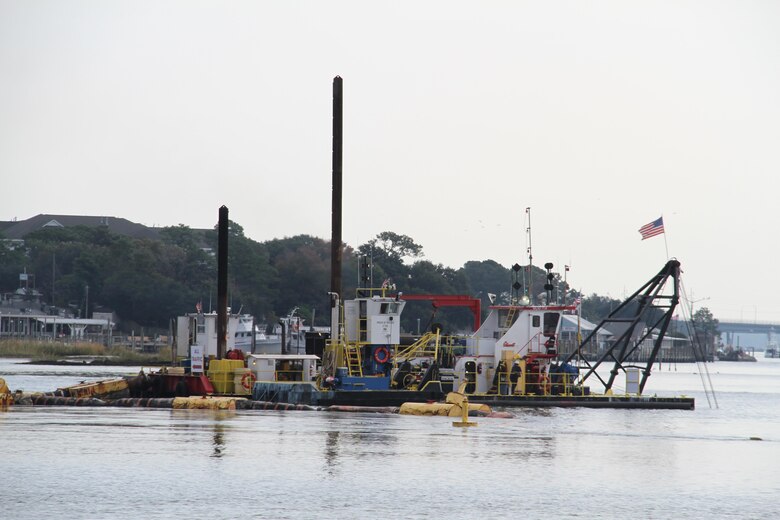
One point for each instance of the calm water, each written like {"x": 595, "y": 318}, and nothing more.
{"x": 557, "y": 463}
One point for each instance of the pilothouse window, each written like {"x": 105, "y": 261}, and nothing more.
{"x": 551, "y": 322}
{"x": 388, "y": 308}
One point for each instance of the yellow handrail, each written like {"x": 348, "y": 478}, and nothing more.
{"x": 420, "y": 348}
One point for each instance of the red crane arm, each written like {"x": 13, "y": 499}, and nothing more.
{"x": 451, "y": 300}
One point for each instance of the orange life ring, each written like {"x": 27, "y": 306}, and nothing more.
{"x": 381, "y": 355}
{"x": 247, "y": 380}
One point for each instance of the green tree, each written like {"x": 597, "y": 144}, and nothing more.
{"x": 594, "y": 307}
{"x": 704, "y": 321}
{"x": 147, "y": 282}
{"x": 488, "y": 277}
{"x": 303, "y": 265}
{"x": 388, "y": 252}
{"x": 12, "y": 263}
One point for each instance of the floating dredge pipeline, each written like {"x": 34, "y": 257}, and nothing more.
{"x": 59, "y": 398}
{"x": 230, "y": 403}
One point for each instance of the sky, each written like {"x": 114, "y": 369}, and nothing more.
{"x": 599, "y": 116}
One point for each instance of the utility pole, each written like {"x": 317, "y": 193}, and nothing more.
{"x": 691, "y": 301}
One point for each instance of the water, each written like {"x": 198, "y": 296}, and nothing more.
{"x": 544, "y": 463}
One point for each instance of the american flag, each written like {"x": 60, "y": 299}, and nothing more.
{"x": 577, "y": 301}
{"x": 652, "y": 229}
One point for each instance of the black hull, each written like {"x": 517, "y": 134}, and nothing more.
{"x": 307, "y": 395}
{"x": 587, "y": 401}
{"x": 377, "y": 398}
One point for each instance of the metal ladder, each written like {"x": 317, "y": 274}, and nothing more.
{"x": 352, "y": 357}
{"x": 510, "y": 315}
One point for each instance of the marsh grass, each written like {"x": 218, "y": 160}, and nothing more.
{"x": 48, "y": 351}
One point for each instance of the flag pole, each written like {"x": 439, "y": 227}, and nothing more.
{"x": 579, "y": 328}
{"x": 665, "y": 243}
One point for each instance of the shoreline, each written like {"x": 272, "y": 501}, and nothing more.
{"x": 89, "y": 361}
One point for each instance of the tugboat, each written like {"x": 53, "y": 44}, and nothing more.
{"x": 513, "y": 350}
{"x": 736, "y": 354}
{"x": 364, "y": 364}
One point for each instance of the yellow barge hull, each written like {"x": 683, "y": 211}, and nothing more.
{"x": 109, "y": 388}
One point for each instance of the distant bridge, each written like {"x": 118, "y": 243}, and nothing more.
{"x": 729, "y": 328}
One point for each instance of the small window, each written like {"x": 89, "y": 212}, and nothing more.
{"x": 536, "y": 321}
{"x": 289, "y": 370}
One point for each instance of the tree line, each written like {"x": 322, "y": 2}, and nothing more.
{"x": 148, "y": 282}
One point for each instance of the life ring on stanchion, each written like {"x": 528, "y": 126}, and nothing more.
{"x": 247, "y": 380}
{"x": 381, "y": 355}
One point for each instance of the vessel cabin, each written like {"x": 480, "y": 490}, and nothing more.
{"x": 374, "y": 321}
{"x": 510, "y": 333}
{"x": 520, "y": 329}
{"x": 283, "y": 367}
{"x": 201, "y": 329}
{"x": 372, "y": 329}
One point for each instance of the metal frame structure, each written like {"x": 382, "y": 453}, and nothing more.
{"x": 638, "y": 314}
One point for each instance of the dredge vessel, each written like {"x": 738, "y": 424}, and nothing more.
{"x": 512, "y": 359}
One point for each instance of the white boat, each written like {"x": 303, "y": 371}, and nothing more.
{"x": 201, "y": 329}
{"x": 243, "y": 333}
{"x": 291, "y": 327}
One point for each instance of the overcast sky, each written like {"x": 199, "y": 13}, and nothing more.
{"x": 600, "y": 116}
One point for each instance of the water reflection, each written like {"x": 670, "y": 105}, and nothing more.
{"x": 198, "y": 429}
{"x": 219, "y": 440}
{"x": 332, "y": 453}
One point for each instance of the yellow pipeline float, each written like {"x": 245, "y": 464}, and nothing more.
{"x": 454, "y": 406}
{"x": 206, "y": 403}
{"x": 6, "y": 397}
